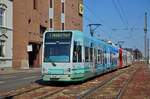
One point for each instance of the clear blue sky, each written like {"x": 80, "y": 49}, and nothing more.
{"x": 120, "y": 19}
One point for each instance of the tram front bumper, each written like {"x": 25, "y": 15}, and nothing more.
{"x": 67, "y": 77}
{"x": 55, "y": 78}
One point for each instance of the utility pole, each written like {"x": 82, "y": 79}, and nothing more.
{"x": 147, "y": 50}
{"x": 145, "y": 37}
{"x": 92, "y": 30}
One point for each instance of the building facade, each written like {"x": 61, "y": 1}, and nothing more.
{"x": 32, "y": 18}
{"x": 66, "y": 14}
{"x": 6, "y": 26}
{"x": 29, "y": 23}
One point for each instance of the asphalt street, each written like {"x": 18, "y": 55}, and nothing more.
{"x": 14, "y": 81}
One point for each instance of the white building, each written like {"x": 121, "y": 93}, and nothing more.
{"x": 6, "y": 25}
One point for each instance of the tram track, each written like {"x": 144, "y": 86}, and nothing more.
{"x": 125, "y": 85}
{"x": 100, "y": 85}
{"x": 37, "y": 93}
{"x": 113, "y": 88}
{"x": 49, "y": 94}
{"x": 83, "y": 91}
{"x": 18, "y": 92}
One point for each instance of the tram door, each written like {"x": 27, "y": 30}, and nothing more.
{"x": 93, "y": 58}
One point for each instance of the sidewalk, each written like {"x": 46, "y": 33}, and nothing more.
{"x": 5, "y": 71}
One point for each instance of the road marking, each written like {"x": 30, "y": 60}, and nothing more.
{"x": 7, "y": 77}
{"x": 30, "y": 77}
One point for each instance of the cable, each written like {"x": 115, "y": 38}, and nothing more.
{"x": 97, "y": 17}
{"x": 89, "y": 18}
{"x": 118, "y": 11}
{"x": 122, "y": 10}
{"x": 86, "y": 18}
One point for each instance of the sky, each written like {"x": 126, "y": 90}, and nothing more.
{"x": 121, "y": 20}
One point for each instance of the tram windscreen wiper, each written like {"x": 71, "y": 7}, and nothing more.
{"x": 53, "y": 64}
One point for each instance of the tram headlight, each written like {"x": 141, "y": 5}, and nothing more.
{"x": 69, "y": 69}
{"x": 44, "y": 70}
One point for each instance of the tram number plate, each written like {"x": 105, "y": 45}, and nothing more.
{"x": 54, "y": 76}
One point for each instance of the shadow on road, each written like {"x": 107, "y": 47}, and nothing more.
{"x": 56, "y": 83}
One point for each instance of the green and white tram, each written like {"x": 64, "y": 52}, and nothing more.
{"x": 74, "y": 56}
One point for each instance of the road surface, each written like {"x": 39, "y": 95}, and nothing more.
{"x": 14, "y": 81}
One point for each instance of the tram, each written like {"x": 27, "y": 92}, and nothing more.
{"x": 125, "y": 58}
{"x": 74, "y": 56}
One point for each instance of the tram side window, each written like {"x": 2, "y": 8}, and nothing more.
{"x": 124, "y": 59}
{"x": 86, "y": 54}
{"x": 91, "y": 54}
{"x": 77, "y": 53}
{"x": 111, "y": 60}
{"x": 95, "y": 55}
{"x": 115, "y": 59}
{"x": 105, "y": 58}
{"x": 100, "y": 56}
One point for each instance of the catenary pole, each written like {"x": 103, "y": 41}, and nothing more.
{"x": 145, "y": 36}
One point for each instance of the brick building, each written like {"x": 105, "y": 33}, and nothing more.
{"x": 29, "y": 22}
{"x": 66, "y": 14}
{"x": 32, "y": 18}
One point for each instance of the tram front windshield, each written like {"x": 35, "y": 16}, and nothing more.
{"x": 57, "y": 47}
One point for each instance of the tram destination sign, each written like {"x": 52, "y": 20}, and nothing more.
{"x": 51, "y": 36}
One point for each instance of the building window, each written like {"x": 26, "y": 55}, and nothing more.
{"x": 62, "y": 7}
{"x": 42, "y": 29}
{"x": 63, "y": 26}
{"x": 51, "y": 4}
{"x": 51, "y": 23}
{"x": 35, "y": 4}
{"x": 2, "y": 16}
{"x": 2, "y": 48}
